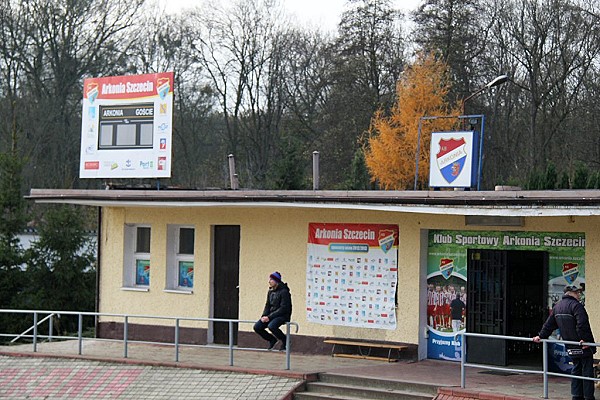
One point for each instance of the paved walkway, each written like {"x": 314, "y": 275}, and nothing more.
{"x": 56, "y": 371}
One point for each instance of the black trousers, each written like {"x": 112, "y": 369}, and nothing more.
{"x": 582, "y": 389}
{"x": 273, "y": 325}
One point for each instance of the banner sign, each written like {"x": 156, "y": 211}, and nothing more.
{"x": 352, "y": 274}
{"x": 127, "y": 126}
{"x": 447, "y": 275}
{"x": 453, "y": 159}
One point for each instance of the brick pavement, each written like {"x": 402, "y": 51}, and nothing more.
{"x": 52, "y": 378}
{"x": 150, "y": 372}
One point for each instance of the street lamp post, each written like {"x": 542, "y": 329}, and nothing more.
{"x": 499, "y": 80}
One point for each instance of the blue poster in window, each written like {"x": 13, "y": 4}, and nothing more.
{"x": 142, "y": 272}
{"x": 186, "y": 274}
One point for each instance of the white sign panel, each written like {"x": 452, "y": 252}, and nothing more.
{"x": 453, "y": 159}
{"x": 352, "y": 274}
{"x": 127, "y": 126}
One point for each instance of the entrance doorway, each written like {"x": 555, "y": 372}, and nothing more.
{"x": 507, "y": 292}
{"x": 226, "y": 278}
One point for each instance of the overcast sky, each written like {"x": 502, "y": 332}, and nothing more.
{"x": 321, "y": 13}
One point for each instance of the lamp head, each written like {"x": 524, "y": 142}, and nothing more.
{"x": 499, "y": 80}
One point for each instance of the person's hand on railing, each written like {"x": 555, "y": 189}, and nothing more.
{"x": 537, "y": 339}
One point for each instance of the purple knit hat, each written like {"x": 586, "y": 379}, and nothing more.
{"x": 276, "y": 276}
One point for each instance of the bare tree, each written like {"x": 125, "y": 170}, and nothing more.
{"x": 55, "y": 44}
{"x": 551, "y": 50}
{"x": 163, "y": 42}
{"x": 367, "y": 59}
{"x": 457, "y": 31}
{"x": 240, "y": 49}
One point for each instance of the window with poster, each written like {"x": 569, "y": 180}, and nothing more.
{"x": 136, "y": 257}
{"x": 180, "y": 258}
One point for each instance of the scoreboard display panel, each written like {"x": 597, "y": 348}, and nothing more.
{"x": 127, "y": 126}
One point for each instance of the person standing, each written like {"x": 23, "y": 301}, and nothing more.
{"x": 572, "y": 319}
{"x": 456, "y": 312}
{"x": 277, "y": 311}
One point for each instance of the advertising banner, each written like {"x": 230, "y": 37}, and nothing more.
{"x": 447, "y": 275}
{"x": 126, "y": 126}
{"x": 352, "y": 274}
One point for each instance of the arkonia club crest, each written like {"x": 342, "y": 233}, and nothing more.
{"x": 570, "y": 272}
{"x": 92, "y": 91}
{"x": 451, "y": 158}
{"x": 163, "y": 87}
{"x": 386, "y": 239}
{"x": 446, "y": 267}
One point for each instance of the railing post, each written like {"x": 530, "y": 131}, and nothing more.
{"x": 125, "y": 329}
{"x": 231, "y": 343}
{"x": 35, "y": 330}
{"x": 176, "y": 339}
{"x": 50, "y": 327}
{"x": 287, "y": 345}
{"x": 545, "y": 366}
{"x": 80, "y": 331}
{"x": 463, "y": 360}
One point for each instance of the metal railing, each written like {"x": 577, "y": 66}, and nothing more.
{"x": 464, "y": 364}
{"x": 36, "y": 336}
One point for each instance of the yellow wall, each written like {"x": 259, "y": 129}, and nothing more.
{"x": 276, "y": 239}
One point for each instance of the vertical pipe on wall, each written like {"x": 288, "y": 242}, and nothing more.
{"x": 233, "y": 178}
{"x": 315, "y": 170}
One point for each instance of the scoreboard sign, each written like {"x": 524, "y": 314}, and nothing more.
{"x": 127, "y": 126}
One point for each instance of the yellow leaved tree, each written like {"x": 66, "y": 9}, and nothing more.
{"x": 391, "y": 146}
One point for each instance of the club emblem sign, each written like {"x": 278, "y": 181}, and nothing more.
{"x": 453, "y": 160}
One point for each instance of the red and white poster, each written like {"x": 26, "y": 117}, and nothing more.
{"x": 352, "y": 274}
{"x": 126, "y": 126}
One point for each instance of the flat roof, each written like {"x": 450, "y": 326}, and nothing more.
{"x": 456, "y": 202}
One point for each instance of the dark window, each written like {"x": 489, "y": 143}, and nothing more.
{"x": 186, "y": 241}
{"x": 142, "y": 243}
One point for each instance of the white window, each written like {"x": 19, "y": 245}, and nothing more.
{"x": 136, "y": 269}
{"x": 180, "y": 257}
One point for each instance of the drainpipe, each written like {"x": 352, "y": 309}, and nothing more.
{"x": 98, "y": 255}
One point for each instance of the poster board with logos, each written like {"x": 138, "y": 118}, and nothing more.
{"x": 352, "y": 275}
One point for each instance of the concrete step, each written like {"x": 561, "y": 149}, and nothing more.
{"x": 345, "y": 387}
{"x": 323, "y": 396}
{"x": 369, "y": 382}
{"x": 364, "y": 392}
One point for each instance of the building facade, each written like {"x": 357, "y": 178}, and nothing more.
{"x": 376, "y": 266}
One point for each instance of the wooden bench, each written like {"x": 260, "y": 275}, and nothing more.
{"x": 364, "y": 349}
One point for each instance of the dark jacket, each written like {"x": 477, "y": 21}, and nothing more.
{"x": 570, "y": 317}
{"x": 279, "y": 303}
{"x": 456, "y": 308}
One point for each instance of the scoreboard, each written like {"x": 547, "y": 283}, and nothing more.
{"x": 127, "y": 126}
